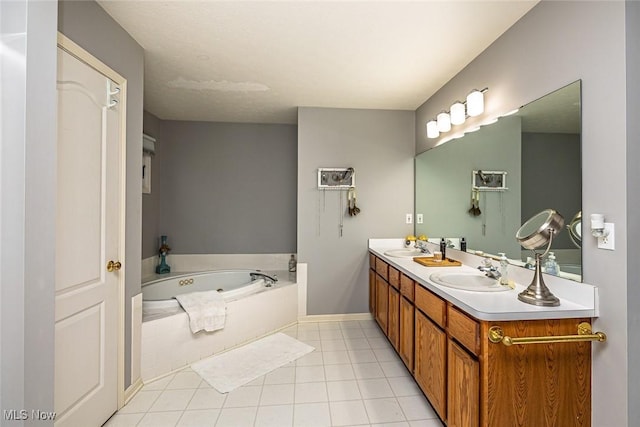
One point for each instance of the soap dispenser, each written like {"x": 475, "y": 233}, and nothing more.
{"x": 530, "y": 264}
{"x": 504, "y": 269}
{"x": 443, "y": 248}
{"x": 551, "y": 266}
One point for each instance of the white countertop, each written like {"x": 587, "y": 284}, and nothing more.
{"x": 577, "y": 300}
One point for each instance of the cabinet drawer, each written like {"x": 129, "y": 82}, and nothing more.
{"x": 464, "y": 329}
{"x": 394, "y": 278}
{"x": 372, "y": 261}
{"x": 431, "y": 305}
{"x": 406, "y": 287}
{"x": 382, "y": 268}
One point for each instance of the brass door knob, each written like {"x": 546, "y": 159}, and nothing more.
{"x": 113, "y": 266}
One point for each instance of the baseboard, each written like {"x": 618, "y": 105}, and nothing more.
{"x": 335, "y": 317}
{"x": 132, "y": 390}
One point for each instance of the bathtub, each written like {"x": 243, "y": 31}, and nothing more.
{"x": 158, "y": 295}
{"x": 253, "y": 310}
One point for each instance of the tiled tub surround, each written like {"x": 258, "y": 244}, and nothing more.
{"x": 168, "y": 343}
{"x": 576, "y": 299}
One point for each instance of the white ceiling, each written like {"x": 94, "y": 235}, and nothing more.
{"x": 256, "y": 62}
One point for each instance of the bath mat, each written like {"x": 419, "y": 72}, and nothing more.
{"x": 230, "y": 370}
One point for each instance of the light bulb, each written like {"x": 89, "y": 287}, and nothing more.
{"x": 432, "y": 129}
{"x": 444, "y": 122}
{"x": 475, "y": 103}
{"x": 458, "y": 114}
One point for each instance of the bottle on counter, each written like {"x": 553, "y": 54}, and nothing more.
{"x": 551, "y": 266}
{"x": 443, "y": 248}
{"x": 463, "y": 244}
{"x": 530, "y": 264}
{"x": 293, "y": 264}
{"x": 504, "y": 269}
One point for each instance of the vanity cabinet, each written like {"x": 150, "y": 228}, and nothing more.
{"x": 382, "y": 303}
{"x": 431, "y": 362}
{"x": 472, "y": 382}
{"x": 463, "y": 369}
{"x": 431, "y": 348}
{"x": 372, "y": 284}
{"x": 407, "y": 319}
{"x": 463, "y": 384}
{"x": 393, "y": 319}
{"x": 535, "y": 384}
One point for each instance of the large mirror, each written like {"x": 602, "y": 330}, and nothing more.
{"x": 539, "y": 150}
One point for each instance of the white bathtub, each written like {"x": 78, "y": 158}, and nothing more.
{"x": 253, "y": 310}
{"x": 158, "y": 295}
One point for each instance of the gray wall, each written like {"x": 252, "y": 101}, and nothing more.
{"x": 87, "y": 24}
{"x": 151, "y": 202}
{"x": 443, "y": 188}
{"x": 552, "y": 178}
{"x": 27, "y": 186}
{"x": 227, "y": 188}
{"x": 554, "y": 44}
{"x": 379, "y": 145}
{"x": 633, "y": 203}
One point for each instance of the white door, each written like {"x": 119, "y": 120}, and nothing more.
{"x": 88, "y": 216}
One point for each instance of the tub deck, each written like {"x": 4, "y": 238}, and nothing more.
{"x": 149, "y": 314}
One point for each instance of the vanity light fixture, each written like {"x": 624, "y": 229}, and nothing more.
{"x": 444, "y": 122}
{"x": 475, "y": 103}
{"x": 432, "y": 129}
{"x": 457, "y": 114}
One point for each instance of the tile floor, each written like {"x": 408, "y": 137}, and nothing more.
{"x": 353, "y": 378}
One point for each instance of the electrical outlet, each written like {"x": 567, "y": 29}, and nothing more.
{"x": 409, "y": 219}
{"x": 419, "y": 219}
{"x": 607, "y": 242}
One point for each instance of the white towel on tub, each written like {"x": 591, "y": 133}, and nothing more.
{"x": 207, "y": 310}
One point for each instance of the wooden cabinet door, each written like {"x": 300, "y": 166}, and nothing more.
{"x": 393, "y": 325}
{"x": 372, "y": 292}
{"x": 463, "y": 388}
{"x": 407, "y": 311}
{"x": 382, "y": 302}
{"x": 430, "y": 362}
{"x": 543, "y": 385}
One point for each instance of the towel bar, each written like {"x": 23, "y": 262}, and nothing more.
{"x": 496, "y": 335}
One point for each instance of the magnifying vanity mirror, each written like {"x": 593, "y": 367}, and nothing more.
{"x": 538, "y": 232}
{"x": 539, "y": 150}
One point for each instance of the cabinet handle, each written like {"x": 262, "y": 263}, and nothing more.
{"x": 496, "y": 335}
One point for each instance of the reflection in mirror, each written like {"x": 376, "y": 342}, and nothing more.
{"x": 538, "y": 148}
{"x": 575, "y": 229}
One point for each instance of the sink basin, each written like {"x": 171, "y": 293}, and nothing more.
{"x": 468, "y": 282}
{"x": 404, "y": 253}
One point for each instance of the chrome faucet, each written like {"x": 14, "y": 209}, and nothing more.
{"x": 421, "y": 245}
{"x": 268, "y": 280}
{"x": 489, "y": 269}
